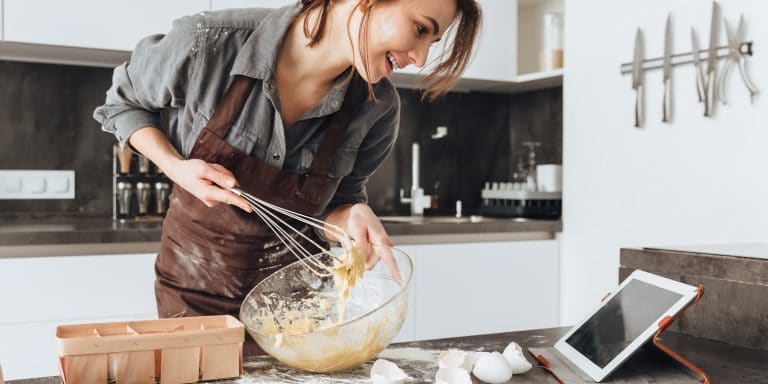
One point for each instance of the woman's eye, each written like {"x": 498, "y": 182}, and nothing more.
{"x": 420, "y": 29}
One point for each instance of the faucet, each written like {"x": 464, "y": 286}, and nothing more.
{"x": 418, "y": 200}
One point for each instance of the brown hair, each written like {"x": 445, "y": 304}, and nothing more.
{"x": 452, "y": 61}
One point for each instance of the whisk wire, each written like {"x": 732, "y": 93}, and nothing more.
{"x": 268, "y": 213}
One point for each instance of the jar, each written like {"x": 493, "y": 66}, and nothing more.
{"x": 551, "y": 51}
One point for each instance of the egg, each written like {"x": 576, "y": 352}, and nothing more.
{"x": 514, "y": 355}
{"x": 454, "y": 358}
{"x": 452, "y": 375}
{"x": 492, "y": 368}
{"x": 387, "y": 372}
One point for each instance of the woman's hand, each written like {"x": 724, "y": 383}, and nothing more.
{"x": 365, "y": 228}
{"x": 207, "y": 181}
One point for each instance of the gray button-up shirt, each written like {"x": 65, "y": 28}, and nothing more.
{"x": 186, "y": 72}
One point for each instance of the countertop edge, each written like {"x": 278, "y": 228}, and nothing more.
{"x": 127, "y": 248}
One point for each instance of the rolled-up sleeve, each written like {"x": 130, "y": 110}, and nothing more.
{"x": 374, "y": 149}
{"x": 156, "y": 77}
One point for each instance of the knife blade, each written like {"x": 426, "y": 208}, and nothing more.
{"x": 697, "y": 66}
{"x": 714, "y": 37}
{"x": 667, "y": 104}
{"x": 637, "y": 80}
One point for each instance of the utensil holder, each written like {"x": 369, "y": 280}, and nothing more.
{"x": 180, "y": 350}
{"x": 147, "y": 201}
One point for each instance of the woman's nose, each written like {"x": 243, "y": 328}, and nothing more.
{"x": 419, "y": 55}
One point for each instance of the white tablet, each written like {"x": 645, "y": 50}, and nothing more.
{"x": 623, "y": 322}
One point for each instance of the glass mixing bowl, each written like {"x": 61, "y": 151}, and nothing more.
{"x": 293, "y": 314}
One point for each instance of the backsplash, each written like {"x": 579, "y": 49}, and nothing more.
{"x": 45, "y": 123}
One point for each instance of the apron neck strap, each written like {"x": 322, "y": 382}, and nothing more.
{"x": 335, "y": 128}
{"x": 230, "y": 105}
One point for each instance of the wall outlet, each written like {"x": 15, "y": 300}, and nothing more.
{"x": 36, "y": 185}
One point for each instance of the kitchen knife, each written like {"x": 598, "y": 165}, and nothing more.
{"x": 697, "y": 66}
{"x": 637, "y": 81}
{"x": 714, "y": 29}
{"x": 667, "y": 106}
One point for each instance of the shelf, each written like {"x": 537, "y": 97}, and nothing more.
{"x": 523, "y": 83}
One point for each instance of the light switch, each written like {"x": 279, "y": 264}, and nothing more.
{"x": 36, "y": 184}
{"x": 33, "y": 184}
{"x": 57, "y": 184}
{"x": 12, "y": 184}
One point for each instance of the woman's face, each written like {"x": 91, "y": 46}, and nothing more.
{"x": 401, "y": 33}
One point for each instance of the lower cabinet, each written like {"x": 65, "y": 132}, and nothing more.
{"x": 456, "y": 290}
{"x": 480, "y": 288}
{"x": 38, "y": 294}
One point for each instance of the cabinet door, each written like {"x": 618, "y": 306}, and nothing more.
{"x": 496, "y": 50}
{"x": 107, "y": 24}
{"x": 470, "y": 289}
{"x": 224, "y": 4}
{"x": 60, "y": 288}
{"x": 407, "y": 332}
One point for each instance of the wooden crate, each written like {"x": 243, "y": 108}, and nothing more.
{"x": 179, "y": 350}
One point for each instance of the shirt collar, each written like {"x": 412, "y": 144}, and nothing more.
{"x": 258, "y": 57}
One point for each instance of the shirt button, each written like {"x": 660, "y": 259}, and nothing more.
{"x": 276, "y": 156}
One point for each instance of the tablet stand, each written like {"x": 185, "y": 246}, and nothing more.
{"x": 567, "y": 373}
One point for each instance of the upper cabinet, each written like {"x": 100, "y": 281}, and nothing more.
{"x": 105, "y": 24}
{"x": 516, "y": 36}
{"x": 224, "y": 4}
{"x": 507, "y": 58}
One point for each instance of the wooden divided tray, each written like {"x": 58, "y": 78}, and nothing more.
{"x": 179, "y": 350}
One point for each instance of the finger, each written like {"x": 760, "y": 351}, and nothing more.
{"x": 389, "y": 260}
{"x": 360, "y": 235}
{"x": 227, "y": 197}
{"x": 219, "y": 177}
{"x": 226, "y": 171}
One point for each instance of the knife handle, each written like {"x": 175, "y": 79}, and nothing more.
{"x": 667, "y": 107}
{"x": 639, "y": 106}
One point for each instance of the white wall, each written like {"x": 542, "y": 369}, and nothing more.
{"x": 696, "y": 181}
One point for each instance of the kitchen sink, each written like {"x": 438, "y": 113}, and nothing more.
{"x": 435, "y": 219}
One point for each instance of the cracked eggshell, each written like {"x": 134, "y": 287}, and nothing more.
{"x": 454, "y": 358}
{"x": 475, "y": 356}
{"x": 514, "y": 355}
{"x": 492, "y": 368}
{"x": 452, "y": 375}
{"x": 387, "y": 372}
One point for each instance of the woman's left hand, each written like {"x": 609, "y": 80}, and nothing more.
{"x": 366, "y": 230}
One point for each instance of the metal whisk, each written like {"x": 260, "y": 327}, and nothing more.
{"x": 271, "y": 215}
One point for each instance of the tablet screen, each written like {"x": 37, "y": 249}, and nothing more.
{"x": 621, "y": 320}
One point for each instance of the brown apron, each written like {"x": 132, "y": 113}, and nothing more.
{"x": 210, "y": 258}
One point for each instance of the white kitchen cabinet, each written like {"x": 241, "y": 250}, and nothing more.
{"x": 37, "y": 294}
{"x": 480, "y": 288}
{"x": 109, "y": 24}
{"x": 224, "y": 4}
{"x": 407, "y": 331}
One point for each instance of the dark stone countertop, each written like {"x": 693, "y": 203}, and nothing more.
{"x": 145, "y": 236}
{"x": 722, "y": 362}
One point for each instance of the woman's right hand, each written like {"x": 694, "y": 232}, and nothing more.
{"x": 208, "y": 182}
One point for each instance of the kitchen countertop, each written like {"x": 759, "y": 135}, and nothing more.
{"x": 722, "y": 362}
{"x": 92, "y": 236}
{"x": 751, "y": 250}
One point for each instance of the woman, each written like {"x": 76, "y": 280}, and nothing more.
{"x": 292, "y": 105}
